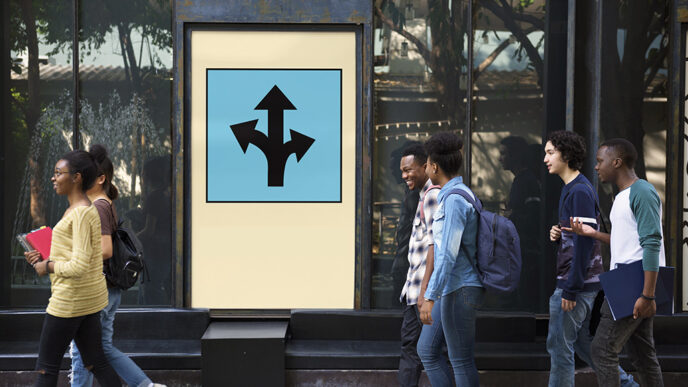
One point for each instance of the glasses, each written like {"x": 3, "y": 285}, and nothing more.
{"x": 59, "y": 173}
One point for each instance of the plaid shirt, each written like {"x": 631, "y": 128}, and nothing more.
{"x": 420, "y": 242}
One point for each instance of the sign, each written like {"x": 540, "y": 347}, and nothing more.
{"x": 277, "y": 131}
{"x": 272, "y": 167}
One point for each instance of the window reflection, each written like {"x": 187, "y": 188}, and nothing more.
{"x": 507, "y": 169}
{"x": 420, "y": 89}
{"x": 40, "y": 130}
{"x": 125, "y": 79}
{"x": 125, "y": 73}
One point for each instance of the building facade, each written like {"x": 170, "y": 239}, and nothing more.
{"x": 496, "y": 72}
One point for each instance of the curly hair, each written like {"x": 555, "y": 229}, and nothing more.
{"x": 571, "y": 146}
{"x": 418, "y": 153}
{"x": 444, "y": 148}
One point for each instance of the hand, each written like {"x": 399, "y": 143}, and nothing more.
{"x": 41, "y": 268}
{"x": 421, "y": 299}
{"x": 644, "y": 308}
{"x": 580, "y": 228}
{"x": 426, "y": 312}
{"x": 555, "y": 233}
{"x": 32, "y": 257}
{"x": 567, "y": 305}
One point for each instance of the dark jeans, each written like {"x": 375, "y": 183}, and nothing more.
{"x": 609, "y": 341}
{"x": 409, "y": 364}
{"x": 55, "y": 337}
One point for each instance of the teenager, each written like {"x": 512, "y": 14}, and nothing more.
{"x": 77, "y": 284}
{"x": 420, "y": 258}
{"x": 454, "y": 283}
{"x": 579, "y": 262}
{"x": 636, "y": 234}
{"x": 102, "y": 195}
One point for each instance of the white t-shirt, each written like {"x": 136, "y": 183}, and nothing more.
{"x": 641, "y": 199}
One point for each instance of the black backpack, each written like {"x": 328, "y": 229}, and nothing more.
{"x": 126, "y": 265}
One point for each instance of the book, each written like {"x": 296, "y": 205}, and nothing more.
{"x": 623, "y": 285}
{"x": 39, "y": 239}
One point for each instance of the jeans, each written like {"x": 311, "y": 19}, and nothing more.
{"x": 609, "y": 340}
{"x": 453, "y": 321}
{"x": 125, "y": 367}
{"x": 431, "y": 350}
{"x": 409, "y": 363}
{"x": 569, "y": 332}
{"x": 56, "y": 334}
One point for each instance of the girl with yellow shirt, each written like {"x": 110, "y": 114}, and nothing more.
{"x": 75, "y": 266}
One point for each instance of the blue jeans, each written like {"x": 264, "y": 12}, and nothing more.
{"x": 569, "y": 333}
{"x": 125, "y": 367}
{"x": 453, "y": 321}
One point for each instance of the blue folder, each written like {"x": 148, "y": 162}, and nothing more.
{"x": 623, "y": 285}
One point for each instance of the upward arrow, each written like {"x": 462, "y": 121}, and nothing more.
{"x": 273, "y": 147}
{"x": 275, "y": 102}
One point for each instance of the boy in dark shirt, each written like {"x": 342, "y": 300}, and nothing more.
{"x": 579, "y": 262}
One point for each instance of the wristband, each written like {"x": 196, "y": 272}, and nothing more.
{"x": 646, "y": 297}
{"x": 47, "y": 266}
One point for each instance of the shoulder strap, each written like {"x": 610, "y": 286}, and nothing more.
{"x": 597, "y": 204}
{"x": 475, "y": 203}
{"x": 117, "y": 224}
{"x": 421, "y": 202}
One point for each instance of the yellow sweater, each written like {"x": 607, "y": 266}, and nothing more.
{"x": 78, "y": 285}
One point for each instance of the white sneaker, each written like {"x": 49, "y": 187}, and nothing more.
{"x": 156, "y": 385}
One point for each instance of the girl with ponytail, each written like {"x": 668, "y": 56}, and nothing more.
{"x": 102, "y": 194}
{"x": 75, "y": 265}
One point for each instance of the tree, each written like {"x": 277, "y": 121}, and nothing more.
{"x": 626, "y": 79}
{"x": 446, "y": 57}
{"x": 52, "y": 22}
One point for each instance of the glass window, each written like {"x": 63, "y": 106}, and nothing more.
{"x": 421, "y": 64}
{"x": 506, "y": 139}
{"x": 40, "y": 129}
{"x": 125, "y": 76}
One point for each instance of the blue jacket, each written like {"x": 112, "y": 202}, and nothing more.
{"x": 455, "y": 229}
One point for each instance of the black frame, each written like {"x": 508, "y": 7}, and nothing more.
{"x": 353, "y": 16}
{"x": 340, "y": 137}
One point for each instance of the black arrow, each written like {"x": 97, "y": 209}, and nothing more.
{"x": 275, "y": 102}
{"x": 273, "y": 147}
{"x": 246, "y": 134}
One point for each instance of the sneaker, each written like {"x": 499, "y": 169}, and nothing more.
{"x": 156, "y": 385}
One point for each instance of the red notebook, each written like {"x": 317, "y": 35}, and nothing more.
{"x": 40, "y": 240}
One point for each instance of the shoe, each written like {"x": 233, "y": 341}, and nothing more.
{"x": 156, "y": 385}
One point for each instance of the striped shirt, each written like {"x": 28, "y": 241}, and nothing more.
{"x": 420, "y": 242}
{"x": 77, "y": 285}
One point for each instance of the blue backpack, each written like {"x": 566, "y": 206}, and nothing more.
{"x": 499, "y": 249}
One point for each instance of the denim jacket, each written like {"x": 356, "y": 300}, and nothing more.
{"x": 455, "y": 229}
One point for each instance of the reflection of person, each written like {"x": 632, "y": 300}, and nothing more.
{"x": 523, "y": 208}
{"x": 102, "y": 195}
{"x": 78, "y": 290}
{"x": 454, "y": 281}
{"x": 579, "y": 261}
{"x": 155, "y": 235}
{"x": 636, "y": 234}
{"x": 420, "y": 258}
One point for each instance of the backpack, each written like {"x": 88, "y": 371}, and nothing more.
{"x": 499, "y": 249}
{"x": 122, "y": 270}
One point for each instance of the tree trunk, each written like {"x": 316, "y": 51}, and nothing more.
{"x": 37, "y": 205}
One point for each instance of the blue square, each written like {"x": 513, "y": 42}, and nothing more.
{"x": 274, "y": 135}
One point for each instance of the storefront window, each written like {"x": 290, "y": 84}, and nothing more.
{"x": 421, "y": 63}
{"x": 506, "y": 139}
{"x": 125, "y": 75}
